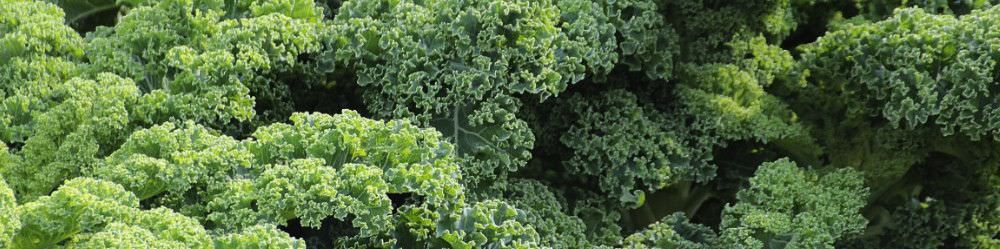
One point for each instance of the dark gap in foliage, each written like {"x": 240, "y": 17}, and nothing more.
{"x": 93, "y": 18}
{"x": 14, "y": 146}
{"x": 703, "y": 203}
{"x": 274, "y": 97}
{"x": 959, "y": 8}
{"x": 849, "y": 10}
{"x": 151, "y": 202}
{"x": 237, "y": 129}
{"x": 324, "y": 237}
{"x": 546, "y": 165}
{"x": 300, "y": 89}
{"x": 927, "y": 206}
{"x": 328, "y": 100}
{"x": 400, "y": 199}
{"x": 550, "y": 170}
{"x": 814, "y": 27}
{"x": 330, "y": 8}
{"x": 105, "y": 149}
{"x": 710, "y": 214}
{"x": 679, "y": 197}
{"x": 736, "y": 162}
{"x": 816, "y": 22}
{"x": 270, "y": 100}
{"x": 918, "y": 183}
{"x": 620, "y": 77}
{"x": 321, "y": 93}
{"x": 948, "y": 178}
{"x": 154, "y": 201}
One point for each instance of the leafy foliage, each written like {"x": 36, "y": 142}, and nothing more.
{"x": 8, "y": 214}
{"x": 914, "y": 69}
{"x": 343, "y": 167}
{"x": 199, "y": 60}
{"x": 673, "y": 231}
{"x": 784, "y": 207}
{"x": 789, "y": 207}
{"x": 498, "y": 124}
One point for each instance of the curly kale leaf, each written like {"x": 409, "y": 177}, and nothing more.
{"x": 169, "y": 162}
{"x": 90, "y": 118}
{"x": 914, "y": 69}
{"x": 318, "y": 170}
{"x": 207, "y": 61}
{"x": 631, "y": 143}
{"x": 413, "y": 159}
{"x": 84, "y": 205}
{"x": 881, "y": 9}
{"x": 430, "y": 55}
{"x": 90, "y": 213}
{"x": 33, "y": 28}
{"x": 784, "y": 207}
{"x": 706, "y": 26}
{"x": 789, "y": 207}
{"x": 260, "y": 236}
{"x": 626, "y": 146}
{"x": 9, "y": 220}
{"x": 371, "y": 160}
{"x": 544, "y": 209}
{"x": 485, "y": 224}
{"x": 38, "y": 54}
{"x": 673, "y": 231}
{"x": 730, "y": 99}
{"x": 648, "y": 42}
{"x": 165, "y": 71}
{"x": 491, "y": 139}
{"x": 458, "y": 64}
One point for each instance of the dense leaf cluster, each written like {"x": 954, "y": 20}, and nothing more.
{"x": 499, "y": 124}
